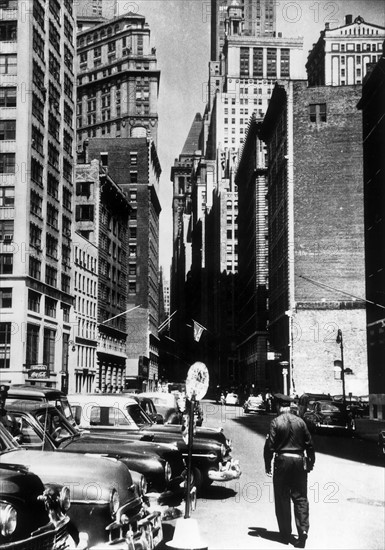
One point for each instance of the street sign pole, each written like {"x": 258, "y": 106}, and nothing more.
{"x": 189, "y": 455}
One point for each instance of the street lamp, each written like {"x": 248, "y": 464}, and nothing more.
{"x": 340, "y": 341}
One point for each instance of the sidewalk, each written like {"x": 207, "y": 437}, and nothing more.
{"x": 369, "y": 429}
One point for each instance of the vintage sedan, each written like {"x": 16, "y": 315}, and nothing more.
{"x": 166, "y": 404}
{"x": 114, "y": 414}
{"x": 22, "y": 492}
{"x": 329, "y": 415}
{"x": 232, "y": 398}
{"x": 41, "y": 394}
{"x": 254, "y": 403}
{"x": 161, "y": 466}
{"x": 105, "y": 506}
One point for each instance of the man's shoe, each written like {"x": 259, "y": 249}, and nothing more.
{"x": 301, "y": 541}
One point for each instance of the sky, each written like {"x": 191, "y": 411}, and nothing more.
{"x": 180, "y": 32}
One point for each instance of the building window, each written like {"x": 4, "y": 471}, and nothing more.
{"x": 50, "y": 307}
{"x": 8, "y": 64}
{"x": 53, "y": 156}
{"x": 5, "y": 297}
{"x": 244, "y": 62}
{"x": 271, "y": 62}
{"x": 35, "y": 268}
{"x": 7, "y": 197}
{"x": 66, "y": 286}
{"x": 285, "y": 63}
{"x": 49, "y": 348}
{"x": 34, "y": 236}
{"x": 7, "y": 97}
{"x": 34, "y": 301}
{"x": 36, "y": 171}
{"x": 7, "y": 163}
{"x": 52, "y": 216}
{"x": 84, "y": 212}
{"x": 134, "y": 177}
{"x": 6, "y": 264}
{"x": 51, "y": 246}
{"x": 51, "y": 276}
{"x": 317, "y": 112}
{"x": 7, "y": 130}
{"x": 5, "y": 345}
{"x": 52, "y": 186}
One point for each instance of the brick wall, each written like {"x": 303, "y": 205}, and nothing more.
{"x": 328, "y": 193}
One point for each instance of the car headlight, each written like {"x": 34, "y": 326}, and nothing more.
{"x": 143, "y": 486}
{"x": 114, "y": 502}
{"x": 167, "y": 471}
{"x": 8, "y": 519}
{"x": 65, "y": 499}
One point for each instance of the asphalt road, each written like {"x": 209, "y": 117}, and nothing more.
{"x": 346, "y": 492}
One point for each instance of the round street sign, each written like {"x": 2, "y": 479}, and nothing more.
{"x": 197, "y": 381}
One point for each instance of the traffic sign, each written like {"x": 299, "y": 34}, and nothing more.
{"x": 197, "y": 381}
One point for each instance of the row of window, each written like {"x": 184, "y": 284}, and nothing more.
{"x": 356, "y": 47}
{"x": 32, "y": 345}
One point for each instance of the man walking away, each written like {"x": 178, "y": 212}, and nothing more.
{"x": 289, "y": 446}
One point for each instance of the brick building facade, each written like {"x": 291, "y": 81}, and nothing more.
{"x": 316, "y": 228}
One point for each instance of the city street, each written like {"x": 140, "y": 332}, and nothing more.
{"x": 346, "y": 491}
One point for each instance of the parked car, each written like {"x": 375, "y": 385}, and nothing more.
{"x": 23, "y": 492}
{"x": 111, "y": 415}
{"x": 328, "y": 415}
{"x": 105, "y": 506}
{"x": 166, "y": 405}
{"x": 232, "y": 398}
{"x": 41, "y": 394}
{"x": 254, "y": 403}
{"x": 358, "y": 406}
{"x": 162, "y": 466}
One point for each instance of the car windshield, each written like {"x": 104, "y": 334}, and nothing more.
{"x": 7, "y": 443}
{"x": 55, "y": 425}
{"x": 329, "y": 407}
{"x": 138, "y": 415}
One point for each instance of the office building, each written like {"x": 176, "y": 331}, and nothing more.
{"x": 258, "y": 19}
{"x": 102, "y": 213}
{"x": 36, "y": 184}
{"x": 117, "y": 80}
{"x": 341, "y": 55}
{"x": 134, "y": 165}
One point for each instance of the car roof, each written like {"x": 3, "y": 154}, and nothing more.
{"x": 26, "y": 390}
{"x": 104, "y": 399}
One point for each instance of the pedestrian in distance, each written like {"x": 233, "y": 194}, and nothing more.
{"x": 289, "y": 448}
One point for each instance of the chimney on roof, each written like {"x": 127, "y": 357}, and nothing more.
{"x": 327, "y": 26}
{"x": 348, "y": 19}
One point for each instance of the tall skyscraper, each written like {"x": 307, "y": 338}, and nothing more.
{"x": 36, "y": 185}
{"x": 258, "y": 19}
{"x": 117, "y": 80}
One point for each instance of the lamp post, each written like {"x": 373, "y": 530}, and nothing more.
{"x": 340, "y": 341}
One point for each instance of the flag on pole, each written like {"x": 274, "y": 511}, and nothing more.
{"x": 198, "y": 329}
